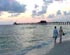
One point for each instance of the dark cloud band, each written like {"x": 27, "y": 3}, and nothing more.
{"x": 11, "y": 6}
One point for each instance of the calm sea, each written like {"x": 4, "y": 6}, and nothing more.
{"x": 27, "y": 39}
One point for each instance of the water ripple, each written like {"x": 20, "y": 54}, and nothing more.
{"x": 26, "y": 50}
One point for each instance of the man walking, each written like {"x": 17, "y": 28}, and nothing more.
{"x": 55, "y": 34}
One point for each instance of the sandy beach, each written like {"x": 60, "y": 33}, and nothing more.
{"x": 60, "y": 49}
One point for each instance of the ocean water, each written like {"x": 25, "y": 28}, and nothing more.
{"x": 28, "y": 39}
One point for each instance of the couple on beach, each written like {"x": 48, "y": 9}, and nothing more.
{"x": 57, "y": 34}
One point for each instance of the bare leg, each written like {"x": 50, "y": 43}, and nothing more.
{"x": 60, "y": 39}
{"x": 54, "y": 41}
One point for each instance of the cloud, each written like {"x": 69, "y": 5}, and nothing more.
{"x": 14, "y": 14}
{"x": 44, "y": 8}
{"x": 51, "y": 16}
{"x": 48, "y": 1}
{"x": 58, "y": 0}
{"x": 59, "y": 12}
{"x": 64, "y": 19}
{"x": 11, "y": 6}
{"x": 36, "y": 6}
{"x": 66, "y": 13}
{"x": 42, "y": 11}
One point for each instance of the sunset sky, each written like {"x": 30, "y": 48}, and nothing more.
{"x": 28, "y": 11}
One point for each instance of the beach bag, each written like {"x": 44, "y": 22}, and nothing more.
{"x": 63, "y": 34}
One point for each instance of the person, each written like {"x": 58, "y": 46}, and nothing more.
{"x": 60, "y": 34}
{"x": 55, "y": 34}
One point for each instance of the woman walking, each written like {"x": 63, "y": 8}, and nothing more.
{"x": 60, "y": 34}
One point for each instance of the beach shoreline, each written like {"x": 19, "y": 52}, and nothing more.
{"x": 60, "y": 49}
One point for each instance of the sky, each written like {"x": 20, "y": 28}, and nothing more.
{"x": 29, "y": 11}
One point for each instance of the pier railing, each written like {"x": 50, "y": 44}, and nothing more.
{"x": 59, "y": 23}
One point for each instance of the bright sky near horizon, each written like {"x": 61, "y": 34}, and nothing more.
{"x": 34, "y": 8}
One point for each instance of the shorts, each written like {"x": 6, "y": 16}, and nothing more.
{"x": 55, "y": 37}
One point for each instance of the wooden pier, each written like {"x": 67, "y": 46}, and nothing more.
{"x": 59, "y": 23}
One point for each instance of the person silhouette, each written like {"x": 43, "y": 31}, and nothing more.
{"x": 55, "y": 34}
{"x": 60, "y": 34}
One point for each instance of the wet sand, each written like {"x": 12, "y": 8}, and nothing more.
{"x": 60, "y": 49}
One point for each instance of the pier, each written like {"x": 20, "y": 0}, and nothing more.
{"x": 59, "y": 23}
{"x": 45, "y": 22}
